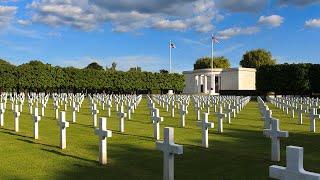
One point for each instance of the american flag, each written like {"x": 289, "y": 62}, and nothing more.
{"x": 172, "y": 46}
{"x": 215, "y": 40}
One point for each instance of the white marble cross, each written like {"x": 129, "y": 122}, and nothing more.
{"x": 197, "y": 109}
{"x": 16, "y": 115}
{"x": 294, "y": 169}
{"x": 63, "y": 124}
{"x": 109, "y": 105}
{"x": 117, "y": 105}
{"x": 234, "y": 109}
{"x": 267, "y": 119}
{"x": 56, "y": 109}
{"x": 103, "y": 134}
{"x": 205, "y": 125}
{"x": 228, "y": 111}
{"x": 36, "y": 118}
{"x": 167, "y": 105}
{"x": 30, "y": 106}
{"x": 293, "y": 109}
{"x": 156, "y": 119}
{"x": 74, "y": 109}
{"x": 300, "y": 110}
{"x": 103, "y": 101}
{"x": 169, "y": 148}
{"x": 129, "y": 107}
{"x": 313, "y": 116}
{"x": 183, "y": 112}
{"x": 95, "y": 111}
{"x": 275, "y": 134}
{"x": 121, "y": 116}
{"x": 78, "y": 106}
{"x": 208, "y": 105}
{"x": 43, "y": 105}
{"x": 2, "y": 111}
{"x": 65, "y": 103}
{"x": 172, "y": 106}
{"x": 220, "y": 116}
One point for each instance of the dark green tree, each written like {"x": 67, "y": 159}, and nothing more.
{"x": 7, "y": 76}
{"x": 218, "y": 62}
{"x": 257, "y": 58}
{"x": 163, "y": 71}
{"x": 94, "y": 65}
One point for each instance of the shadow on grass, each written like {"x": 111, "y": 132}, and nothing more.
{"x": 83, "y": 125}
{"x": 145, "y": 138}
{"x": 71, "y": 156}
{"x": 32, "y": 142}
{"x": 124, "y": 162}
{"x": 15, "y": 134}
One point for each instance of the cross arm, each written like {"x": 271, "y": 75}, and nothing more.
{"x": 176, "y": 149}
{"x": 160, "y": 145}
{"x": 283, "y": 134}
{"x": 276, "y": 171}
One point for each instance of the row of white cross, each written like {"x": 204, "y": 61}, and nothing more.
{"x": 310, "y": 106}
{"x": 167, "y": 146}
{"x": 294, "y": 154}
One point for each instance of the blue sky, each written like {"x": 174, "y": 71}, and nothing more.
{"x": 137, "y": 32}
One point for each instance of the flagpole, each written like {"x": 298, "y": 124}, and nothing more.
{"x": 212, "y": 54}
{"x": 212, "y": 75}
{"x": 170, "y": 56}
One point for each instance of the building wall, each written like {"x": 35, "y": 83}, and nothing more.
{"x": 230, "y": 79}
{"x": 247, "y": 79}
{"x": 190, "y": 84}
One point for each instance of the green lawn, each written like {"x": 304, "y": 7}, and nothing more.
{"x": 241, "y": 152}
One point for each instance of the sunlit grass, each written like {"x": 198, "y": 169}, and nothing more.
{"x": 241, "y": 152}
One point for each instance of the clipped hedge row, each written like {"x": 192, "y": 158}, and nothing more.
{"x": 294, "y": 79}
{"x": 44, "y": 77}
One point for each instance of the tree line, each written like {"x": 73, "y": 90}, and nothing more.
{"x": 250, "y": 59}
{"x": 289, "y": 79}
{"x": 36, "y": 76}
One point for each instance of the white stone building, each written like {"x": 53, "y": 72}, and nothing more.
{"x": 204, "y": 80}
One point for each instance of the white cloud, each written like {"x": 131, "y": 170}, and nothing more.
{"x": 7, "y": 13}
{"x": 236, "y": 31}
{"x": 242, "y": 6}
{"x": 273, "y": 20}
{"x": 313, "y": 23}
{"x": 24, "y": 22}
{"x": 298, "y": 2}
{"x": 167, "y": 24}
{"x": 7, "y": 1}
{"x": 127, "y": 15}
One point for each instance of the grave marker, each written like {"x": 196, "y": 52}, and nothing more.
{"x": 63, "y": 124}
{"x": 36, "y": 118}
{"x": 156, "y": 122}
{"x": 169, "y": 148}
{"x": 220, "y": 116}
{"x": 103, "y": 134}
{"x": 275, "y": 134}
{"x": 205, "y": 125}
{"x": 16, "y": 115}
{"x": 294, "y": 169}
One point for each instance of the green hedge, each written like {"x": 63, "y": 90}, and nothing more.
{"x": 44, "y": 77}
{"x": 289, "y": 78}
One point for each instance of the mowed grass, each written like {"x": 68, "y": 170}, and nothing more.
{"x": 241, "y": 152}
